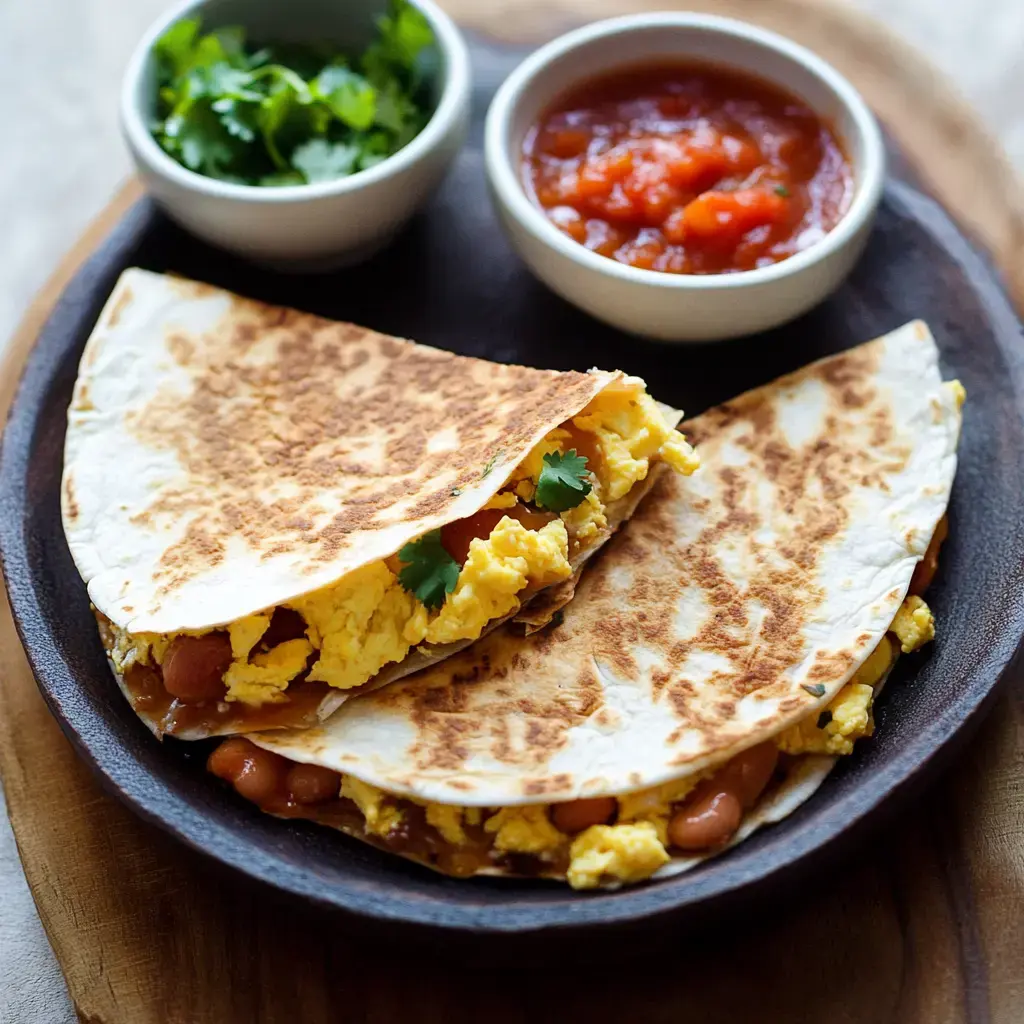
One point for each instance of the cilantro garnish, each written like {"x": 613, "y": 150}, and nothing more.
{"x": 289, "y": 115}
{"x": 490, "y": 464}
{"x": 430, "y": 573}
{"x": 563, "y": 482}
{"x": 824, "y": 719}
{"x": 781, "y": 190}
{"x": 814, "y": 689}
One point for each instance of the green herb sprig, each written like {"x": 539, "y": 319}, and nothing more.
{"x": 563, "y": 482}
{"x": 430, "y": 573}
{"x": 289, "y": 115}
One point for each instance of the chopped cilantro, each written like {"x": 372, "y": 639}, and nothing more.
{"x": 781, "y": 190}
{"x": 563, "y": 482}
{"x": 430, "y": 573}
{"x": 824, "y": 718}
{"x": 490, "y": 464}
{"x": 286, "y": 115}
{"x": 814, "y": 689}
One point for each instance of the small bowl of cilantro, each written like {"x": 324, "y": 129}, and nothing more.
{"x": 302, "y": 134}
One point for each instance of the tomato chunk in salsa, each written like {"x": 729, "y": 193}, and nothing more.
{"x": 687, "y": 169}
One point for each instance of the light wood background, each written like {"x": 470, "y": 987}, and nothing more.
{"x": 926, "y": 924}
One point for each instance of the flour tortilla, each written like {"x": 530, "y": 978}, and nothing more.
{"x": 224, "y": 456}
{"x": 727, "y": 610}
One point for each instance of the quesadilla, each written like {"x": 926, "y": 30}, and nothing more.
{"x": 273, "y": 511}
{"x": 721, "y": 655}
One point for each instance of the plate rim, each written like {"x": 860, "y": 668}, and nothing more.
{"x": 632, "y": 905}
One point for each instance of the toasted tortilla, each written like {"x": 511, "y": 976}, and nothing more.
{"x": 728, "y": 609}
{"x": 224, "y": 456}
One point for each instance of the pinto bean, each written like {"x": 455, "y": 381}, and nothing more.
{"x": 576, "y": 815}
{"x": 194, "y": 667}
{"x": 747, "y": 774}
{"x": 311, "y": 784}
{"x": 255, "y": 773}
{"x": 706, "y": 821}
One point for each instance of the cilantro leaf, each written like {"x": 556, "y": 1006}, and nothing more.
{"x": 490, "y": 464}
{"x": 814, "y": 689}
{"x": 430, "y": 573}
{"x": 238, "y": 117}
{"x": 563, "y": 482}
{"x": 404, "y": 34}
{"x": 173, "y": 49}
{"x": 199, "y": 140}
{"x": 290, "y": 113}
{"x": 349, "y": 96}
{"x": 320, "y": 160}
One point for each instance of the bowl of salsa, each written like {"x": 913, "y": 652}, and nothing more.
{"x": 684, "y": 176}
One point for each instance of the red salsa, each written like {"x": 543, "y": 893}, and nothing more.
{"x": 687, "y": 169}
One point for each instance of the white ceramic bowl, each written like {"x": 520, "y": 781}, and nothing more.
{"x": 302, "y": 226}
{"x": 678, "y": 307}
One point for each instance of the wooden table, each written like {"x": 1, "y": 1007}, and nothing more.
{"x": 924, "y": 924}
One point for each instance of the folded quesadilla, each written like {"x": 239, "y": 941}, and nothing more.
{"x": 723, "y": 652}
{"x": 273, "y": 511}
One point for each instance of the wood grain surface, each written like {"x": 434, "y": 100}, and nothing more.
{"x": 923, "y": 925}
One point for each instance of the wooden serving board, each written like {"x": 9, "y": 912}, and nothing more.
{"x": 924, "y": 925}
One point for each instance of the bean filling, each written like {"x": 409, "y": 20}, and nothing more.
{"x": 194, "y": 667}
{"x": 713, "y": 813}
{"x": 706, "y": 820}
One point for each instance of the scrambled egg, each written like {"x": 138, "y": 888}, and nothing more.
{"x": 847, "y": 718}
{"x": 655, "y": 805}
{"x": 138, "y": 648}
{"x": 587, "y": 520}
{"x": 361, "y": 624}
{"x": 524, "y": 830}
{"x": 622, "y": 853}
{"x": 630, "y": 430}
{"x": 636, "y": 845}
{"x": 914, "y": 624}
{"x": 264, "y": 679}
{"x": 450, "y": 821}
{"x": 496, "y": 570}
{"x": 382, "y": 817}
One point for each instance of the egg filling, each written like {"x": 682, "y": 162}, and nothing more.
{"x": 601, "y": 842}
{"x": 475, "y": 571}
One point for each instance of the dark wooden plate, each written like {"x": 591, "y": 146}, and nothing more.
{"x": 451, "y": 281}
